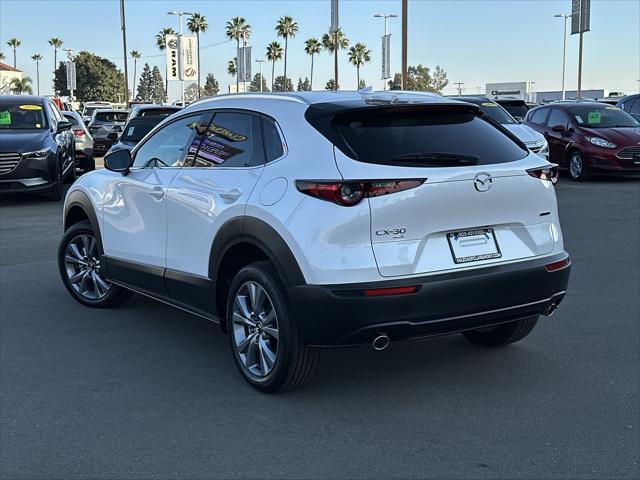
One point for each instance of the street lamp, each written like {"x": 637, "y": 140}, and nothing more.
{"x": 530, "y": 94}
{"x": 564, "y": 48}
{"x": 180, "y": 14}
{"x": 261, "y": 62}
{"x": 386, "y": 17}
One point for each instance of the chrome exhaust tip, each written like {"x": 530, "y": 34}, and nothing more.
{"x": 551, "y": 309}
{"x": 380, "y": 342}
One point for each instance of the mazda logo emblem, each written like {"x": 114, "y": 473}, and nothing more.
{"x": 483, "y": 182}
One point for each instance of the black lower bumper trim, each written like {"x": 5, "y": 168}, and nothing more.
{"x": 445, "y": 303}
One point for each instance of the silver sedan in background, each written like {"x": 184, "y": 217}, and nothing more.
{"x": 83, "y": 142}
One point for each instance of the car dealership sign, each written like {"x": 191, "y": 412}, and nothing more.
{"x": 171, "y": 50}
{"x": 189, "y": 48}
{"x": 512, "y": 90}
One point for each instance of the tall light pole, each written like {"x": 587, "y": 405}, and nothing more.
{"x": 124, "y": 48}
{"x": 386, "y": 17}
{"x": 530, "y": 93}
{"x": 459, "y": 87}
{"x": 405, "y": 12}
{"x": 261, "y": 62}
{"x": 180, "y": 60}
{"x": 565, "y": 16}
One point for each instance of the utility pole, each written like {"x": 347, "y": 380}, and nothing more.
{"x": 579, "y": 93}
{"x": 335, "y": 60}
{"x": 564, "y": 48}
{"x": 124, "y": 47}
{"x": 335, "y": 29}
{"x": 405, "y": 10}
{"x": 459, "y": 87}
{"x": 261, "y": 62}
{"x": 386, "y": 17}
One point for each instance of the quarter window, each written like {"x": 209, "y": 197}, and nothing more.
{"x": 634, "y": 107}
{"x": 539, "y": 116}
{"x": 233, "y": 139}
{"x": 273, "y": 146}
{"x": 173, "y": 146}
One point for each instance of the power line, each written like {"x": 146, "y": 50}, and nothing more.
{"x": 162, "y": 54}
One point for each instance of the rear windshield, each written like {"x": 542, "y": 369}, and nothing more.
{"x": 596, "y": 116}
{"x": 22, "y": 116}
{"x": 156, "y": 112}
{"x": 111, "y": 117}
{"x": 137, "y": 128}
{"x": 516, "y": 109}
{"x": 425, "y": 139}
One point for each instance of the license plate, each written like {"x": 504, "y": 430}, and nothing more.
{"x": 473, "y": 245}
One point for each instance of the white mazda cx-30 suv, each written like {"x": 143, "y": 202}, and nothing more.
{"x": 307, "y": 220}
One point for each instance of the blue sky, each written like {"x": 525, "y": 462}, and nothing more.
{"x": 475, "y": 41}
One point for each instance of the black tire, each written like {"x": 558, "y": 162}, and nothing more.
{"x": 55, "y": 192}
{"x": 504, "y": 334}
{"x": 89, "y": 164}
{"x": 295, "y": 362}
{"x": 577, "y": 167}
{"x": 115, "y": 295}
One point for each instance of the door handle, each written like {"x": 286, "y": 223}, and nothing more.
{"x": 157, "y": 192}
{"x": 233, "y": 194}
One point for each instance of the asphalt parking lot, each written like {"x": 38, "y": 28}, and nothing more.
{"x": 147, "y": 391}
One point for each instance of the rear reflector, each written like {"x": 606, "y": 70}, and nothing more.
{"x": 560, "y": 264}
{"x": 351, "y": 193}
{"x": 379, "y": 292}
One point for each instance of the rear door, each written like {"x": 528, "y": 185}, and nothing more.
{"x": 476, "y": 206}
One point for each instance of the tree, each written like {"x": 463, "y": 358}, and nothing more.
{"x": 331, "y": 85}
{"x": 420, "y": 79}
{"x": 2, "y": 57}
{"x": 304, "y": 86}
{"x": 236, "y": 29}
{"x": 135, "y": 54}
{"x": 158, "y": 93}
{"x": 193, "y": 92}
{"x": 36, "y": 57}
{"x": 274, "y": 52}
{"x": 211, "y": 86}
{"x": 19, "y": 86}
{"x": 330, "y": 45}
{"x": 254, "y": 86}
{"x": 359, "y": 54}
{"x": 144, "y": 90}
{"x": 161, "y": 43}
{"x": 97, "y": 79}
{"x": 312, "y": 47}
{"x": 285, "y": 28}
{"x": 198, "y": 23}
{"x": 14, "y": 43}
{"x": 56, "y": 43}
{"x": 232, "y": 68}
{"x": 280, "y": 86}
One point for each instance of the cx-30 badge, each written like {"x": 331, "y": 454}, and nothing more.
{"x": 483, "y": 182}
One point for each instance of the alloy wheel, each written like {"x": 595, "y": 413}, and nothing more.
{"x": 255, "y": 329}
{"x": 82, "y": 264}
{"x": 575, "y": 166}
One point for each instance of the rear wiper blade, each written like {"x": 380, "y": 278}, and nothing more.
{"x": 437, "y": 159}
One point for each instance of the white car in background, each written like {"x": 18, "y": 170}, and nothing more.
{"x": 90, "y": 107}
{"x": 534, "y": 141}
{"x": 323, "y": 219}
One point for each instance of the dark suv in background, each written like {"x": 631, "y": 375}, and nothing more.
{"x": 631, "y": 105}
{"x": 36, "y": 146}
{"x": 105, "y": 128}
{"x": 589, "y": 137}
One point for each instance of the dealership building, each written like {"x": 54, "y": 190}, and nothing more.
{"x": 524, "y": 91}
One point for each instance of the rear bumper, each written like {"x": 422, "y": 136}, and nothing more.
{"x": 341, "y": 315}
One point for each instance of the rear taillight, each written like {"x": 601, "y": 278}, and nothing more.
{"x": 78, "y": 133}
{"x": 349, "y": 194}
{"x": 548, "y": 173}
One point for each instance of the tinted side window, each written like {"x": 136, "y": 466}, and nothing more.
{"x": 558, "y": 117}
{"x": 273, "y": 146}
{"x": 174, "y": 145}
{"x": 634, "y": 107}
{"x": 72, "y": 119}
{"x": 232, "y": 140}
{"x": 539, "y": 116}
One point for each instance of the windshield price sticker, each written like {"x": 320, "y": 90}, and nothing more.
{"x": 5, "y": 118}
{"x": 594, "y": 118}
{"x": 30, "y": 107}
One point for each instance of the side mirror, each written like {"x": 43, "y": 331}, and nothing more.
{"x": 112, "y": 136}
{"x": 518, "y": 119}
{"x": 118, "y": 161}
{"x": 559, "y": 129}
{"x": 63, "y": 126}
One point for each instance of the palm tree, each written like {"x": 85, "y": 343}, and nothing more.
{"x": 359, "y": 54}
{"x": 135, "y": 54}
{"x": 285, "y": 28}
{"x": 329, "y": 44}
{"x": 56, "y": 43}
{"x": 2, "y": 57}
{"x": 237, "y": 28}
{"x": 274, "y": 52}
{"x": 312, "y": 47}
{"x": 21, "y": 85}
{"x": 14, "y": 43}
{"x": 36, "y": 57}
{"x": 161, "y": 43}
{"x": 232, "y": 67}
{"x": 197, "y": 23}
